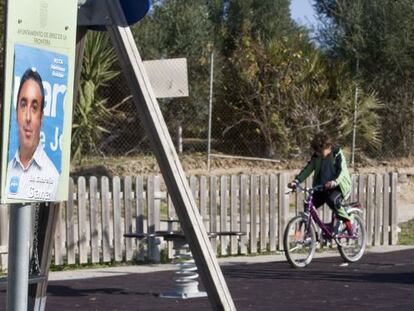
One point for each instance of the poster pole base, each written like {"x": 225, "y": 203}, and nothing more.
{"x": 19, "y": 244}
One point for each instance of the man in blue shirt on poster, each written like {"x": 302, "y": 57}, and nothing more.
{"x": 31, "y": 175}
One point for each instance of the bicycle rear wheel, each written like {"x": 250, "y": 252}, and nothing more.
{"x": 299, "y": 242}
{"x": 352, "y": 250}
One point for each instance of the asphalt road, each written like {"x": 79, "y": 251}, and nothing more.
{"x": 380, "y": 281}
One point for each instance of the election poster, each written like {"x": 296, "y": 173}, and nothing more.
{"x": 38, "y": 100}
{"x": 36, "y": 124}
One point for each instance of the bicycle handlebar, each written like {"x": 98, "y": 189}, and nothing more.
{"x": 305, "y": 189}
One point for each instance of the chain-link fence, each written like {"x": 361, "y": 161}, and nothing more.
{"x": 188, "y": 122}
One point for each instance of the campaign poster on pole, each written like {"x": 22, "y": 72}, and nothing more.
{"x": 38, "y": 100}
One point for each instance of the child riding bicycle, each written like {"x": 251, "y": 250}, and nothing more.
{"x": 329, "y": 166}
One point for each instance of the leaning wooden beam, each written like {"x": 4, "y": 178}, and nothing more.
{"x": 167, "y": 158}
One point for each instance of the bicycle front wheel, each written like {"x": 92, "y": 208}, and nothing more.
{"x": 299, "y": 242}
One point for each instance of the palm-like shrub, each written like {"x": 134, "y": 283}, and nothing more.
{"x": 91, "y": 112}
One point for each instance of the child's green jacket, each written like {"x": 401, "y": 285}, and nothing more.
{"x": 342, "y": 177}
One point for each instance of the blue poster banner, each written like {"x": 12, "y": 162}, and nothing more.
{"x": 36, "y": 123}
{"x": 53, "y": 69}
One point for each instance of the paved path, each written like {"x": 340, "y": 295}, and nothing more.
{"x": 382, "y": 280}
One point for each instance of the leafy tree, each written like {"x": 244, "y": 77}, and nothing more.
{"x": 379, "y": 34}
{"x": 181, "y": 29}
{"x": 268, "y": 19}
{"x": 276, "y": 94}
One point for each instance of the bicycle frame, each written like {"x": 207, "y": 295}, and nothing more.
{"x": 327, "y": 228}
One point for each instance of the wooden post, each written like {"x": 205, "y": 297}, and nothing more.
{"x": 203, "y": 200}
{"x": 223, "y": 214}
{"x": 263, "y": 213}
{"x": 243, "y": 213}
{"x": 378, "y": 209}
{"x": 370, "y": 208}
{"x": 70, "y": 221}
{"x": 386, "y": 210}
{"x": 283, "y": 208}
{"x": 106, "y": 219}
{"x": 213, "y": 210}
{"x": 234, "y": 216}
{"x": 139, "y": 220}
{"x": 93, "y": 210}
{"x": 354, "y": 189}
{"x": 150, "y": 214}
{"x": 393, "y": 209}
{"x": 116, "y": 205}
{"x": 128, "y": 217}
{"x": 362, "y": 198}
{"x": 82, "y": 224}
{"x": 253, "y": 214}
{"x": 58, "y": 238}
{"x": 273, "y": 212}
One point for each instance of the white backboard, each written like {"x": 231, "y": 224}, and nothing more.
{"x": 168, "y": 77}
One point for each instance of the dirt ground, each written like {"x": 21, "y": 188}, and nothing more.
{"x": 196, "y": 164}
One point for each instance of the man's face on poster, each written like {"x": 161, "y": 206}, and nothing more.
{"x": 29, "y": 115}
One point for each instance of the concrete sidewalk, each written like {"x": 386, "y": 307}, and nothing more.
{"x": 226, "y": 261}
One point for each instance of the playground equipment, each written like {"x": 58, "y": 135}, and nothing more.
{"x": 185, "y": 280}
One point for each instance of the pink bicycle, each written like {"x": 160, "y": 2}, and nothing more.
{"x": 305, "y": 231}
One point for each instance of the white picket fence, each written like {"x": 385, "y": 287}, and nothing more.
{"x": 93, "y": 221}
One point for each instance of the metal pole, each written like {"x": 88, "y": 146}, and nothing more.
{"x": 210, "y": 110}
{"x": 19, "y": 244}
{"x": 355, "y": 119}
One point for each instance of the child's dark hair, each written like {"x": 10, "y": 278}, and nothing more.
{"x": 31, "y": 74}
{"x": 321, "y": 141}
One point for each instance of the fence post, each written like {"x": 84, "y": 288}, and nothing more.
{"x": 213, "y": 211}
{"x": 139, "y": 220}
{"x": 370, "y": 208}
{"x": 263, "y": 213}
{"x": 93, "y": 208}
{"x": 128, "y": 217}
{"x": 193, "y": 187}
{"x": 234, "y": 215}
{"x": 378, "y": 209}
{"x": 153, "y": 186}
{"x": 243, "y": 213}
{"x": 386, "y": 207}
{"x": 82, "y": 224}
{"x": 273, "y": 212}
{"x": 116, "y": 204}
{"x": 393, "y": 209}
{"x": 203, "y": 201}
{"x": 223, "y": 214}
{"x": 253, "y": 212}
{"x": 58, "y": 236}
{"x": 70, "y": 225}
{"x": 106, "y": 220}
{"x": 283, "y": 208}
{"x": 354, "y": 189}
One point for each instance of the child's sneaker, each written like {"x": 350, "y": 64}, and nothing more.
{"x": 349, "y": 227}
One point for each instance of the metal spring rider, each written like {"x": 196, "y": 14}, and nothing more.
{"x": 185, "y": 279}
